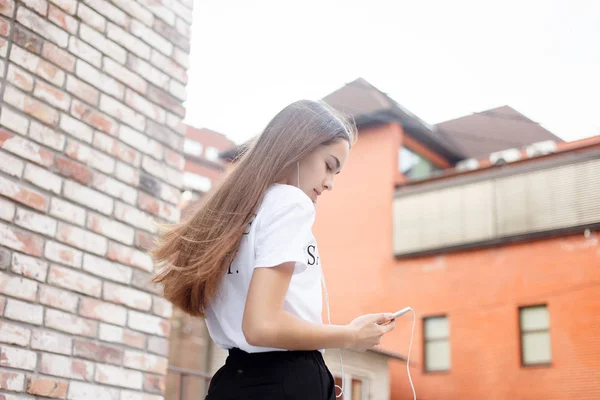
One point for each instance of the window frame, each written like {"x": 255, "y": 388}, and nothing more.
{"x": 425, "y": 341}
{"x": 521, "y": 342}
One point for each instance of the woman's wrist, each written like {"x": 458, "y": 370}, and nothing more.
{"x": 349, "y": 336}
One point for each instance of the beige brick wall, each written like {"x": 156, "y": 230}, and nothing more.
{"x": 90, "y": 154}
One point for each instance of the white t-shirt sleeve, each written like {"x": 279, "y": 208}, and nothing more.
{"x": 284, "y": 235}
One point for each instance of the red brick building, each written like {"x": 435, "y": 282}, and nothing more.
{"x": 497, "y": 253}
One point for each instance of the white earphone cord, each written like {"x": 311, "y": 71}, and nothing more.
{"x": 329, "y": 321}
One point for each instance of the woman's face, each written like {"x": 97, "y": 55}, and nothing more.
{"x": 318, "y": 168}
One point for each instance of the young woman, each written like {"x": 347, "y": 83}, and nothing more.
{"x": 248, "y": 262}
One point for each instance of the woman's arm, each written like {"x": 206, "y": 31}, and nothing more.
{"x": 267, "y": 324}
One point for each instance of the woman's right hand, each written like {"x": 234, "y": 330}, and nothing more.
{"x": 368, "y": 329}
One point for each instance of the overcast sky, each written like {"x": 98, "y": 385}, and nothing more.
{"x": 440, "y": 59}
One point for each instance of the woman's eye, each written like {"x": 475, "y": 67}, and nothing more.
{"x": 328, "y": 168}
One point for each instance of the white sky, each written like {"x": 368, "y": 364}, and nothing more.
{"x": 441, "y": 59}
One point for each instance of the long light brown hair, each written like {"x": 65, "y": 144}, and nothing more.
{"x": 194, "y": 254}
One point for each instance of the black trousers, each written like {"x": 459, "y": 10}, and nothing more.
{"x": 276, "y": 375}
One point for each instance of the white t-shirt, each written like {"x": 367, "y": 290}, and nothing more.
{"x": 280, "y": 232}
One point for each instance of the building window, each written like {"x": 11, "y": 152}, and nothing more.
{"x": 196, "y": 182}
{"x": 413, "y": 165}
{"x": 192, "y": 147}
{"x": 535, "y": 335}
{"x": 212, "y": 153}
{"x": 356, "y": 388}
{"x": 437, "y": 344}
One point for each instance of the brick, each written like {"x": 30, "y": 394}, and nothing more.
{"x": 86, "y": 391}
{"x": 109, "y": 11}
{"x": 29, "y": 267}
{"x": 70, "y": 323}
{"x": 75, "y": 281}
{"x": 66, "y": 367}
{"x": 136, "y": 10}
{"x": 4, "y": 27}
{"x": 96, "y": 78}
{"x": 73, "y": 170}
{"x": 39, "y": 6}
{"x": 91, "y": 18}
{"x": 159, "y": 10}
{"x": 144, "y": 240}
{"x": 135, "y": 217}
{"x": 27, "y": 40}
{"x": 51, "y": 342}
{"x": 121, "y": 112}
{"x": 24, "y": 312}
{"x": 115, "y": 334}
{"x": 63, "y": 254}
{"x": 97, "y": 352}
{"x": 149, "y": 36}
{"x": 46, "y": 136}
{"x": 82, "y": 90}
{"x": 57, "y": 298}
{"x": 170, "y": 194}
{"x": 7, "y": 209}
{"x": 174, "y": 159}
{"x": 11, "y": 165}
{"x": 18, "y": 287}
{"x": 3, "y": 49}
{"x": 58, "y": 56}
{"x": 17, "y": 358}
{"x": 162, "y": 307}
{"x": 145, "y": 362}
{"x": 158, "y": 208}
{"x": 150, "y": 184}
{"x": 25, "y": 148}
{"x": 42, "y": 27}
{"x": 19, "y": 78}
{"x": 106, "y": 269}
{"x": 147, "y": 108}
{"x": 164, "y": 135}
{"x": 175, "y": 123}
{"x": 148, "y": 71}
{"x": 165, "y": 100}
{"x": 169, "y": 67}
{"x": 154, "y": 168}
{"x": 47, "y": 387}
{"x": 82, "y": 239}
{"x": 178, "y": 90}
{"x": 129, "y": 256}
{"x": 134, "y": 339}
{"x": 31, "y": 106}
{"x": 63, "y": 20}
{"x": 102, "y": 162}
{"x": 19, "y": 240}
{"x": 127, "y": 395}
{"x": 182, "y": 11}
{"x": 172, "y": 35}
{"x": 154, "y": 383}
{"x": 125, "y": 75}
{"x": 35, "y": 222}
{"x": 111, "y": 375}
{"x": 78, "y": 151}
{"x": 100, "y": 42}
{"x": 7, "y": 8}
{"x": 66, "y": 211}
{"x": 11, "y": 381}
{"x": 114, "y": 188}
{"x": 14, "y": 121}
{"x": 14, "y": 334}
{"x": 127, "y": 174}
{"x": 158, "y": 345}
{"x": 117, "y": 149}
{"x": 99, "y": 310}
{"x": 95, "y": 118}
{"x": 84, "y": 51}
{"x": 42, "y": 178}
{"x": 37, "y": 66}
{"x": 53, "y": 96}
{"x": 69, "y": 6}
{"x": 181, "y": 57}
{"x": 110, "y": 228}
{"x": 2, "y": 303}
{"x": 88, "y": 197}
{"x": 141, "y": 141}
{"x": 148, "y": 323}
{"x": 126, "y": 296}
{"x": 128, "y": 41}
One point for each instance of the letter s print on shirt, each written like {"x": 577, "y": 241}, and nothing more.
{"x": 313, "y": 255}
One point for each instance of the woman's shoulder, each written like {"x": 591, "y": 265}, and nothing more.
{"x": 280, "y": 196}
